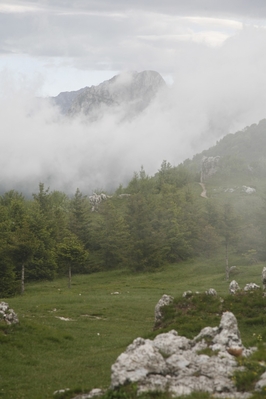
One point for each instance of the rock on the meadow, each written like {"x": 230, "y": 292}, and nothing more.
{"x": 174, "y": 363}
{"x": 233, "y": 287}
{"x": 251, "y": 287}
{"x": 7, "y": 314}
{"x": 164, "y": 301}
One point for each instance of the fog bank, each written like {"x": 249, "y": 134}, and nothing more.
{"x": 215, "y": 91}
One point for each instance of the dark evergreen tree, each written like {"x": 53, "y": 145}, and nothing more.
{"x": 147, "y": 243}
{"x": 174, "y": 226}
{"x": 112, "y": 237}
{"x": 8, "y": 284}
{"x": 80, "y": 210}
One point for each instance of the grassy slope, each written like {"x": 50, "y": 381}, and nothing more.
{"x": 45, "y": 353}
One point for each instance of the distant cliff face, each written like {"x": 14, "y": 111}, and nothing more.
{"x": 209, "y": 167}
{"x": 126, "y": 94}
{"x": 65, "y": 99}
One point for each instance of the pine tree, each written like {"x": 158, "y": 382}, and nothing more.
{"x": 113, "y": 237}
{"x": 79, "y": 217}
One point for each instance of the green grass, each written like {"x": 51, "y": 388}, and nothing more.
{"x": 43, "y": 353}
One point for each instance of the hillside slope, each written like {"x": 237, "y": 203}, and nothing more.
{"x": 245, "y": 148}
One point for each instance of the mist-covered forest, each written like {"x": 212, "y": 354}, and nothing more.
{"x": 153, "y": 221}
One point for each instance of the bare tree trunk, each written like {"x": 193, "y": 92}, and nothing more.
{"x": 227, "y": 271}
{"x": 22, "y": 279}
{"x": 69, "y": 276}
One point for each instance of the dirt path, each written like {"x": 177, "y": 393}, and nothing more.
{"x": 204, "y": 192}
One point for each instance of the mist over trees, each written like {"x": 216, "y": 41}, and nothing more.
{"x": 153, "y": 221}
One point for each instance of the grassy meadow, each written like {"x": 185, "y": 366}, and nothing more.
{"x": 45, "y": 353}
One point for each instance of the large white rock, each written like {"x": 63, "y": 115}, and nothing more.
{"x": 233, "y": 287}
{"x": 228, "y": 334}
{"x": 139, "y": 360}
{"x": 172, "y": 362}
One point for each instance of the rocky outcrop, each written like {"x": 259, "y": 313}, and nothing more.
{"x": 251, "y": 287}
{"x": 125, "y": 95}
{"x": 95, "y": 200}
{"x": 209, "y": 166}
{"x": 65, "y": 99}
{"x": 176, "y": 364}
{"x": 233, "y": 287}
{"x": 8, "y": 315}
{"x": 165, "y": 300}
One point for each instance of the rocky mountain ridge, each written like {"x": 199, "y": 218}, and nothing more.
{"x": 126, "y": 94}
{"x": 64, "y": 99}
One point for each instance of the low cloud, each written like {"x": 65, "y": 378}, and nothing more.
{"x": 216, "y": 91}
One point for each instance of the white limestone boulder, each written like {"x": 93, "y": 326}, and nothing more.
{"x": 164, "y": 301}
{"x": 251, "y": 287}
{"x": 7, "y": 314}
{"x": 175, "y": 364}
{"x": 140, "y": 359}
{"x": 233, "y": 287}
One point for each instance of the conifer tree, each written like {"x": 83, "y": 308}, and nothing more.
{"x": 112, "y": 237}
{"x": 79, "y": 217}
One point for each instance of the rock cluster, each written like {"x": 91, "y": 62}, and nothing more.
{"x": 234, "y": 287}
{"x": 7, "y": 314}
{"x": 251, "y": 287}
{"x": 176, "y": 364}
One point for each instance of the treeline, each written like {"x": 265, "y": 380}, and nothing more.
{"x": 160, "y": 220}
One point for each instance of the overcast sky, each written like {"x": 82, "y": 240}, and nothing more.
{"x": 213, "y": 51}
{"x": 68, "y": 44}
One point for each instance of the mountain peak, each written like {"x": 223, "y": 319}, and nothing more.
{"x": 128, "y": 94}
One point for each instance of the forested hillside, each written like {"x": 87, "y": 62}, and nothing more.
{"x": 153, "y": 221}
{"x": 241, "y": 152}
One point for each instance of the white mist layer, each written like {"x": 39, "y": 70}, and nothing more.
{"x": 216, "y": 91}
